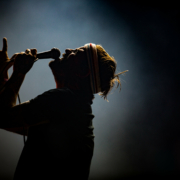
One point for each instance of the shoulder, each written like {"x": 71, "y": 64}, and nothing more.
{"x": 54, "y": 99}
{"x": 54, "y": 94}
{"x": 59, "y": 92}
{"x": 50, "y": 104}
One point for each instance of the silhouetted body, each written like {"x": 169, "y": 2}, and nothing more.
{"x": 62, "y": 148}
{"x": 60, "y": 133}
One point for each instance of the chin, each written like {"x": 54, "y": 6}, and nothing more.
{"x": 52, "y": 64}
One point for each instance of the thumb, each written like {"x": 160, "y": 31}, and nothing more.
{"x": 9, "y": 65}
{"x": 34, "y": 52}
{"x": 4, "y": 44}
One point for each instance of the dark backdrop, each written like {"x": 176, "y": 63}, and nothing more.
{"x": 137, "y": 131}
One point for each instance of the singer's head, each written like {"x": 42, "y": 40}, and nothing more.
{"x": 82, "y": 67}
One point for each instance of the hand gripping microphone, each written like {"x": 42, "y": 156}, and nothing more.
{"x": 54, "y": 53}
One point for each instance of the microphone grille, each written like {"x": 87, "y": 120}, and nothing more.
{"x": 55, "y": 53}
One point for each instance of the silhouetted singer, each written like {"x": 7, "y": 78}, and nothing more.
{"x": 58, "y": 123}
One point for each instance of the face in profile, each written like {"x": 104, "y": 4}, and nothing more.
{"x": 70, "y": 58}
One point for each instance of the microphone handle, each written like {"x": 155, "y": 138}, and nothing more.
{"x": 54, "y": 53}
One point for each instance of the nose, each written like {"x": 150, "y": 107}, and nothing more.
{"x": 68, "y": 51}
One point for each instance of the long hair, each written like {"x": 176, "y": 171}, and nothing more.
{"x": 107, "y": 69}
{"x": 78, "y": 74}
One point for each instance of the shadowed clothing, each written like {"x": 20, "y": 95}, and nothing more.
{"x": 62, "y": 148}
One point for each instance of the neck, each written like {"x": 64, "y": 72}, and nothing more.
{"x": 59, "y": 85}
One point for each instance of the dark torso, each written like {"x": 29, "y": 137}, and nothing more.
{"x": 62, "y": 148}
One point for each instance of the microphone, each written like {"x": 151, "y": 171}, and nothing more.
{"x": 54, "y": 53}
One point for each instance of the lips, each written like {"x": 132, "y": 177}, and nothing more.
{"x": 64, "y": 54}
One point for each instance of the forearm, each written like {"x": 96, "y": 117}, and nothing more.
{"x": 9, "y": 93}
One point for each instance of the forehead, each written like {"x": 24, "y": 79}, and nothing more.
{"x": 82, "y": 47}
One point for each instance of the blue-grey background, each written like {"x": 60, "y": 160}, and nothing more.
{"x": 137, "y": 131}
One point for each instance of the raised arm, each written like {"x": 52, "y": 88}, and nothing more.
{"x": 22, "y": 64}
{"x": 11, "y": 117}
{"x": 4, "y": 63}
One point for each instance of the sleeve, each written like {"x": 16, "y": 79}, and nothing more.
{"x": 34, "y": 112}
{"x": 20, "y": 117}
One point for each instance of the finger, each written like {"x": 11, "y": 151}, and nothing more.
{"x": 4, "y": 44}
{"x": 9, "y": 65}
{"x": 14, "y": 56}
{"x": 28, "y": 51}
{"x": 31, "y": 58}
{"x": 34, "y": 52}
{"x": 26, "y": 58}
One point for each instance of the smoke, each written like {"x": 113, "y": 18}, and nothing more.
{"x": 137, "y": 129}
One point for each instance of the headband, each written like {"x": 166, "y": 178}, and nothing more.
{"x": 92, "y": 57}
